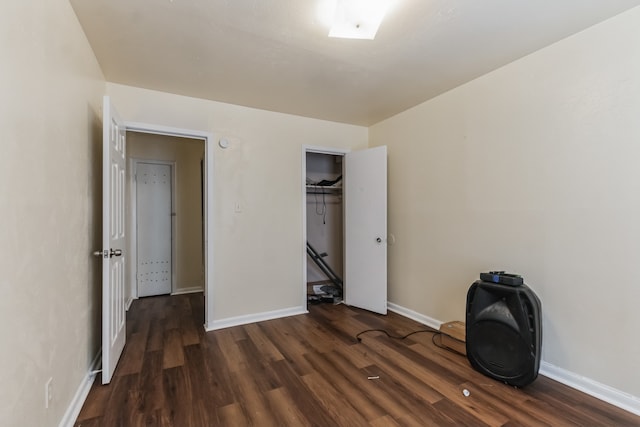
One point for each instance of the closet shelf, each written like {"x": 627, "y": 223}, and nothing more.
{"x": 320, "y": 188}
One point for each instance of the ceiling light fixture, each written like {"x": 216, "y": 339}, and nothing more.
{"x": 358, "y": 19}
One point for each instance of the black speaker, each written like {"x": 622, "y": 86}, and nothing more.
{"x": 504, "y": 332}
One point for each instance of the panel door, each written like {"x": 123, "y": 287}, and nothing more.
{"x": 153, "y": 225}
{"x": 113, "y": 240}
{"x": 365, "y": 206}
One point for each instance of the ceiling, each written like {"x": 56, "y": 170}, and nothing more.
{"x": 275, "y": 54}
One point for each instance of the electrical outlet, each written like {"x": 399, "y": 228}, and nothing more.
{"x": 48, "y": 393}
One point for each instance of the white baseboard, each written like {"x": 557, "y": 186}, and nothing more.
{"x": 593, "y": 388}
{"x": 414, "y": 315}
{"x": 190, "y": 290}
{"x": 252, "y": 318}
{"x": 73, "y": 410}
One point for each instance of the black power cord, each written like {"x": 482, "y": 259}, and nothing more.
{"x": 402, "y": 337}
{"x": 396, "y": 337}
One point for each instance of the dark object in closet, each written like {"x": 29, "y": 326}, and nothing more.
{"x": 320, "y": 299}
{"x": 328, "y": 183}
{"x": 322, "y": 264}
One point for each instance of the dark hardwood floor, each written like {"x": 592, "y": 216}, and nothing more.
{"x": 309, "y": 370}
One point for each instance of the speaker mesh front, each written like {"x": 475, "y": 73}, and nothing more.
{"x": 499, "y": 349}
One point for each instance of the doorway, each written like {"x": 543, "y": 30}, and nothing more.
{"x": 325, "y": 231}
{"x": 168, "y": 171}
{"x": 116, "y": 291}
{"x": 360, "y": 199}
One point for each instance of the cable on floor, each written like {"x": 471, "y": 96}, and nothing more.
{"x": 402, "y": 337}
{"x": 396, "y": 337}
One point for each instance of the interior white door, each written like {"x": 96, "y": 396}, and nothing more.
{"x": 365, "y": 211}
{"x": 153, "y": 228}
{"x": 113, "y": 239}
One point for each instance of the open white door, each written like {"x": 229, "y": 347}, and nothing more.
{"x": 113, "y": 239}
{"x": 365, "y": 212}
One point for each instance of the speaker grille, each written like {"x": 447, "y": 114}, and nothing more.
{"x": 501, "y": 348}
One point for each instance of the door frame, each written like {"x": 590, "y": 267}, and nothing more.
{"x": 303, "y": 248}
{"x": 209, "y": 181}
{"x": 133, "y": 232}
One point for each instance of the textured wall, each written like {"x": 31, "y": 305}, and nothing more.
{"x": 258, "y": 251}
{"x": 533, "y": 169}
{"x": 50, "y": 198}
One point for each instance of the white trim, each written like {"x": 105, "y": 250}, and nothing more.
{"x": 414, "y": 315}
{"x": 75, "y": 406}
{"x": 303, "y": 185}
{"x": 133, "y": 238}
{"x": 133, "y": 232}
{"x": 586, "y": 385}
{"x": 167, "y": 130}
{"x": 209, "y": 242}
{"x": 593, "y": 388}
{"x": 258, "y": 317}
{"x": 189, "y": 290}
{"x": 325, "y": 150}
{"x": 209, "y": 209}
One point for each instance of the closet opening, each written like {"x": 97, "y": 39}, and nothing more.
{"x": 344, "y": 227}
{"x": 324, "y": 227}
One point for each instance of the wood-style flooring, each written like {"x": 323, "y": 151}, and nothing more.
{"x": 308, "y": 370}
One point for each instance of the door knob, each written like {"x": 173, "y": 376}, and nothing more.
{"x": 115, "y": 252}
{"x": 99, "y": 254}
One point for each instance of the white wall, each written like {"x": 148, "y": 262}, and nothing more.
{"x": 533, "y": 169}
{"x": 50, "y": 197}
{"x": 259, "y": 251}
{"x": 187, "y": 154}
